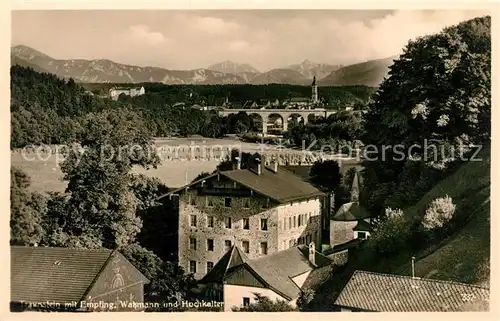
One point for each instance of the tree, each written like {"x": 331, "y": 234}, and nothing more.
{"x": 438, "y": 92}
{"x": 326, "y": 174}
{"x": 101, "y": 206}
{"x": 264, "y": 304}
{"x": 26, "y": 210}
{"x": 168, "y": 282}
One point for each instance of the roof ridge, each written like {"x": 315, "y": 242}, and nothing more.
{"x": 64, "y": 247}
{"x": 418, "y": 278}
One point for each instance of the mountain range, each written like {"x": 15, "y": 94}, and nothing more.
{"x": 368, "y": 73}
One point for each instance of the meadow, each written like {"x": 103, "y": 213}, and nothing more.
{"x": 182, "y": 160}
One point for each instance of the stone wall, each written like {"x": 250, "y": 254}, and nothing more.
{"x": 192, "y": 204}
{"x": 252, "y": 208}
{"x": 311, "y": 225}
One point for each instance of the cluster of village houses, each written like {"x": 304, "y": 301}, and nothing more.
{"x": 241, "y": 232}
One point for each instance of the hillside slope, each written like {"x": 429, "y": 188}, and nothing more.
{"x": 463, "y": 257}
{"x": 369, "y": 73}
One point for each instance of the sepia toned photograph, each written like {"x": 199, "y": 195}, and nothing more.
{"x": 250, "y": 160}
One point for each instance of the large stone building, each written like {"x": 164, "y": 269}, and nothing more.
{"x": 115, "y": 92}
{"x": 262, "y": 210}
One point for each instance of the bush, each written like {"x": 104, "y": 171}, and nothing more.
{"x": 439, "y": 212}
{"x": 264, "y": 304}
{"x": 392, "y": 234}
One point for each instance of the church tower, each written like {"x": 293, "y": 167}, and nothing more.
{"x": 314, "y": 97}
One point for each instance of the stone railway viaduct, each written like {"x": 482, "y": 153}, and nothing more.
{"x": 285, "y": 114}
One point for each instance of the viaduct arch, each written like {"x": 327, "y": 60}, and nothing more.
{"x": 285, "y": 114}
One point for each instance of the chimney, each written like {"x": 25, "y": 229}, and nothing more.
{"x": 259, "y": 166}
{"x": 312, "y": 254}
{"x": 274, "y": 165}
{"x": 238, "y": 162}
{"x": 413, "y": 267}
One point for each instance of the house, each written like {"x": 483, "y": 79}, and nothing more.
{"x": 298, "y": 102}
{"x": 351, "y": 221}
{"x": 235, "y": 279}
{"x": 70, "y": 279}
{"x": 262, "y": 209}
{"x": 115, "y": 92}
{"x": 368, "y": 291}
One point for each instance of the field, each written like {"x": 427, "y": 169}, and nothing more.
{"x": 179, "y": 164}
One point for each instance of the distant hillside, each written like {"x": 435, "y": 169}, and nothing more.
{"x": 310, "y": 69}
{"x": 103, "y": 70}
{"x": 281, "y": 76}
{"x": 23, "y": 63}
{"x": 230, "y": 67}
{"x": 369, "y": 73}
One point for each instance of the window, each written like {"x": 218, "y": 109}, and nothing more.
{"x": 289, "y": 222}
{"x": 192, "y": 266}
{"x": 246, "y": 223}
{"x": 246, "y": 246}
{"x": 210, "y": 245}
{"x": 192, "y": 243}
{"x": 210, "y": 203}
{"x": 246, "y": 302}
{"x": 192, "y": 201}
{"x": 263, "y": 248}
{"x": 361, "y": 235}
{"x": 295, "y": 221}
{"x": 210, "y": 266}
{"x": 263, "y": 224}
{"x": 192, "y": 220}
{"x": 227, "y": 245}
{"x": 300, "y": 219}
{"x": 265, "y": 204}
{"x": 210, "y": 221}
{"x": 227, "y": 222}
{"x": 246, "y": 204}
{"x": 227, "y": 202}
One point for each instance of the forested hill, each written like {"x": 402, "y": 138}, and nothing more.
{"x": 48, "y": 110}
{"x": 45, "y": 109}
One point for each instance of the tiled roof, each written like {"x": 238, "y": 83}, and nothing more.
{"x": 231, "y": 259}
{"x": 351, "y": 212}
{"x": 363, "y": 226}
{"x": 282, "y": 186}
{"x": 394, "y": 293}
{"x": 299, "y": 99}
{"x": 40, "y": 274}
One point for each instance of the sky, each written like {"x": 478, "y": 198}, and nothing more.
{"x": 265, "y": 39}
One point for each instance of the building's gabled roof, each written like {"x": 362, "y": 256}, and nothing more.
{"x": 299, "y": 100}
{"x": 282, "y": 186}
{"x": 275, "y": 271}
{"x": 363, "y": 226}
{"x": 395, "y": 293}
{"x": 233, "y": 258}
{"x": 351, "y": 212}
{"x": 62, "y": 275}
